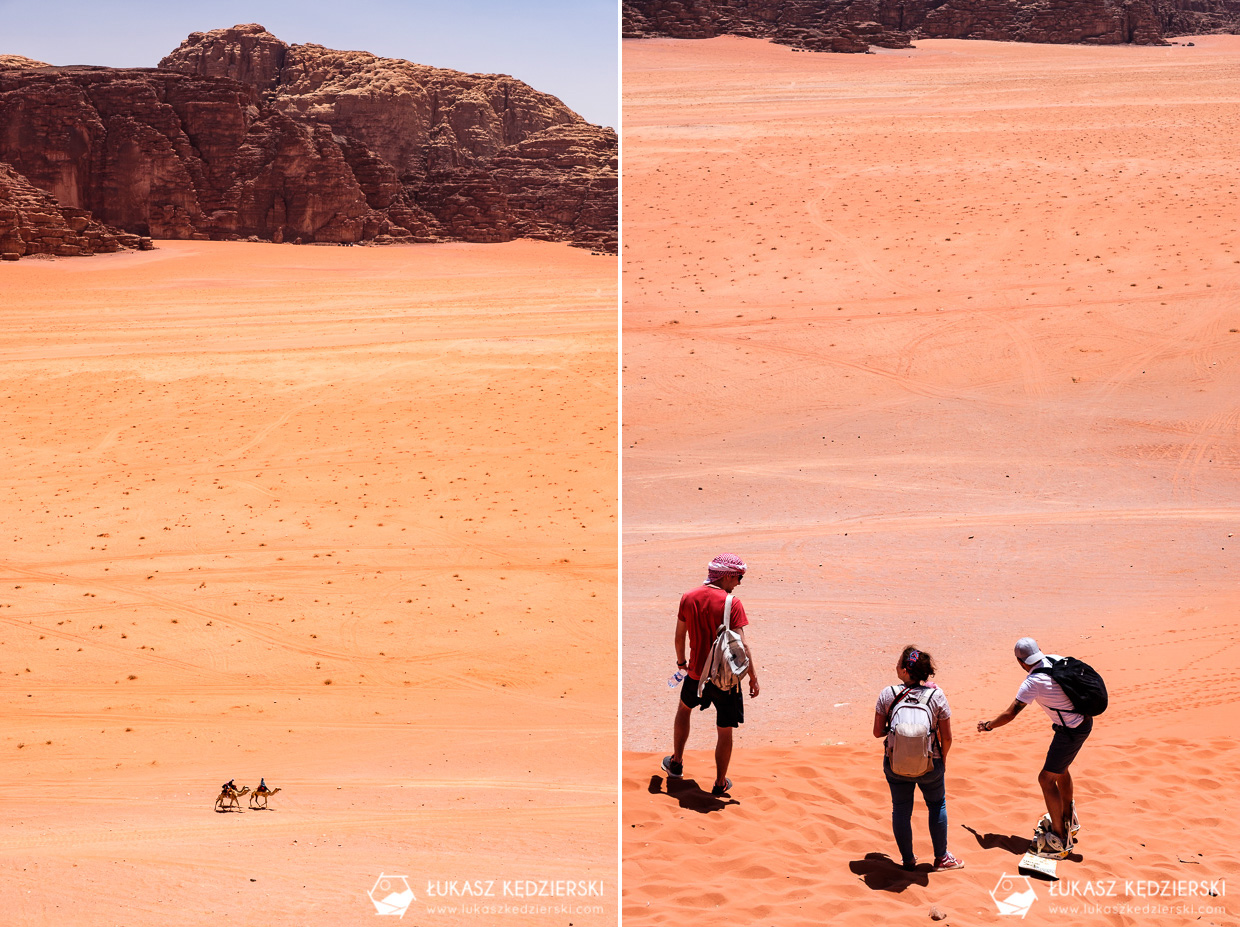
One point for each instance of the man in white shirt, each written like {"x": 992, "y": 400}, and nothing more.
{"x": 1071, "y": 730}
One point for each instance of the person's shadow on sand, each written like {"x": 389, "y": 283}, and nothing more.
{"x": 690, "y": 795}
{"x": 881, "y": 873}
{"x": 1011, "y": 842}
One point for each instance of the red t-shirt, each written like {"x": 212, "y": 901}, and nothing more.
{"x": 701, "y": 609}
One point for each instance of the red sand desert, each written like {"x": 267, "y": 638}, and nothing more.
{"x": 343, "y": 518}
{"x": 944, "y": 342}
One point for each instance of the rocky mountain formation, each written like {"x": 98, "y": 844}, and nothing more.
{"x": 32, "y": 222}
{"x": 855, "y": 25}
{"x": 239, "y": 135}
{"x": 14, "y": 62}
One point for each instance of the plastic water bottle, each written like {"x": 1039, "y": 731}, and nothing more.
{"x": 676, "y": 678}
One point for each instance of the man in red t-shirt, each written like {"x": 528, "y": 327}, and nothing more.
{"x": 699, "y": 619}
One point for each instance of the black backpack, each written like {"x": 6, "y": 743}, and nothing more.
{"x": 1080, "y": 683}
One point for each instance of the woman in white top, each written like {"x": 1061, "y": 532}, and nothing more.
{"x": 917, "y": 696}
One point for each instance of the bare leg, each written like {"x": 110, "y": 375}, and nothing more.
{"x": 1066, "y": 797}
{"x": 1054, "y": 800}
{"x": 723, "y": 754}
{"x": 680, "y": 731}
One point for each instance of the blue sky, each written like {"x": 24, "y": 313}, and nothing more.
{"x": 565, "y": 47}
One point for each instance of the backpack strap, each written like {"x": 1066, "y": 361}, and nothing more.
{"x": 1047, "y": 669}
{"x": 713, "y": 657}
{"x": 892, "y": 709}
{"x": 934, "y": 720}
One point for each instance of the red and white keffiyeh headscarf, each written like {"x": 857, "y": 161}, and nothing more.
{"x": 724, "y": 565}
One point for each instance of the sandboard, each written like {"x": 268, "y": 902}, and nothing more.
{"x": 1033, "y": 864}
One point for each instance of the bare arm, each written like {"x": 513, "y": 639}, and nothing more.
{"x": 1003, "y": 718}
{"x": 945, "y": 737}
{"x": 682, "y": 631}
{"x": 882, "y": 717}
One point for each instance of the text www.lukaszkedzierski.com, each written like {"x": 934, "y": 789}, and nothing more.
{"x": 541, "y": 909}
{"x": 1132, "y": 909}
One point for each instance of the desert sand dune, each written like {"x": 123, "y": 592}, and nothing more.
{"x": 944, "y": 343}
{"x": 340, "y": 517}
{"x": 806, "y": 829}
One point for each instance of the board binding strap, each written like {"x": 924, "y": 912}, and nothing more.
{"x": 1043, "y": 855}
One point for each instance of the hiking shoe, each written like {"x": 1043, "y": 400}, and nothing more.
{"x": 909, "y": 865}
{"x": 673, "y": 769}
{"x": 722, "y": 789}
{"x": 946, "y": 862}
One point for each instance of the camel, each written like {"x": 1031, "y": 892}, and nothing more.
{"x": 262, "y": 793}
{"x": 229, "y": 797}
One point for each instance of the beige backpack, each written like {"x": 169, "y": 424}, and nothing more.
{"x": 728, "y": 660}
{"x": 911, "y": 733}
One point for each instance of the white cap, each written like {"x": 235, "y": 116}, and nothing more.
{"x": 1028, "y": 651}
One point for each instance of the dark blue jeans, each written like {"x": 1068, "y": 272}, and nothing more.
{"x": 934, "y": 792}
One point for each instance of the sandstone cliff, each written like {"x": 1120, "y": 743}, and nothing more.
{"x": 17, "y": 62}
{"x": 1198, "y": 17}
{"x": 32, "y": 222}
{"x": 853, "y": 25}
{"x": 821, "y": 25}
{"x": 237, "y": 134}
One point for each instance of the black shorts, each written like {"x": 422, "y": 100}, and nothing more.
{"x": 1065, "y": 745}
{"x": 729, "y": 706}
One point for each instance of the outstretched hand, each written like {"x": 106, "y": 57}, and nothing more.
{"x": 1002, "y": 718}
